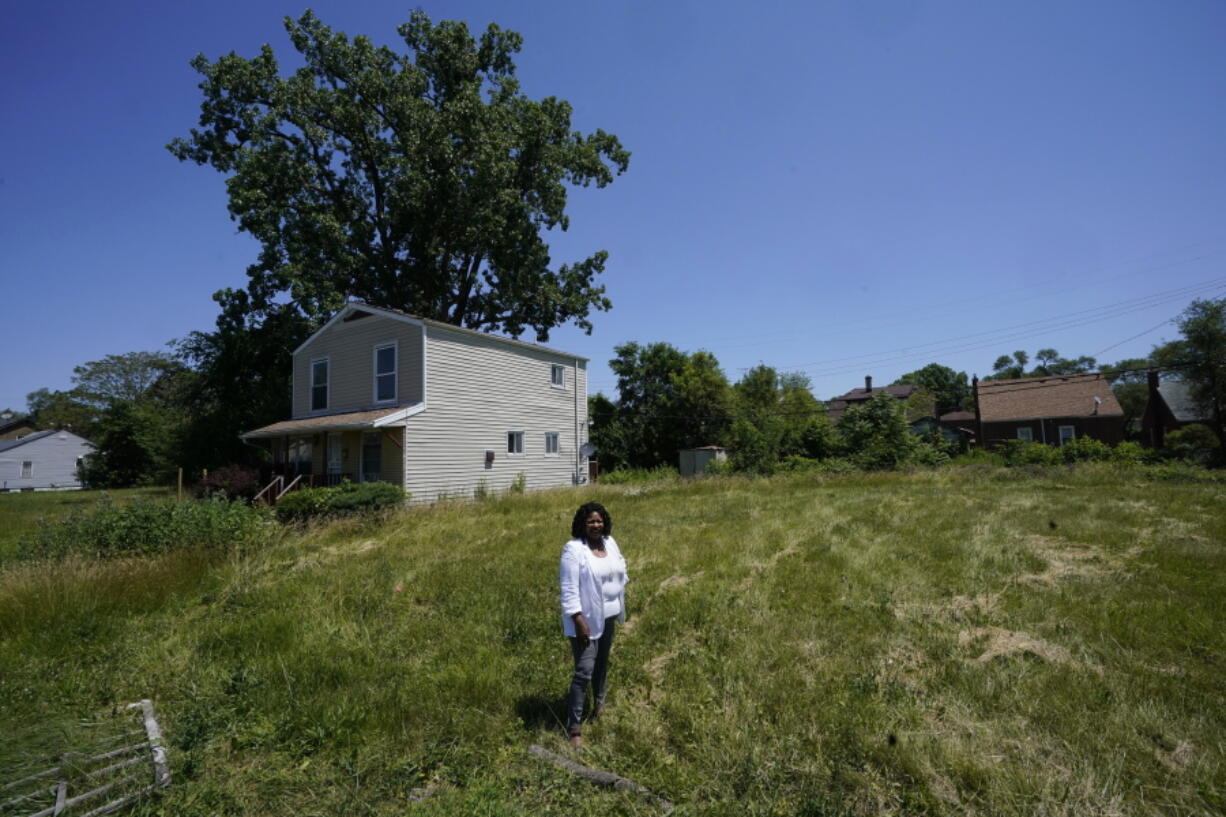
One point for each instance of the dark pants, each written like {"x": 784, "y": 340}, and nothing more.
{"x": 591, "y": 666}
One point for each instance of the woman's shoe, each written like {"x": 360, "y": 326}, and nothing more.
{"x": 598, "y": 714}
{"x": 576, "y": 740}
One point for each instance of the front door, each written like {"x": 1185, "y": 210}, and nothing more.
{"x": 334, "y": 456}
{"x": 372, "y": 456}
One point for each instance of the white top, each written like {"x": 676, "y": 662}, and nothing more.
{"x": 582, "y": 592}
{"x": 609, "y": 576}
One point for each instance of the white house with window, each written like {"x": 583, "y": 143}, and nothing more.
{"x": 43, "y": 461}
{"x": 380, "y": 395}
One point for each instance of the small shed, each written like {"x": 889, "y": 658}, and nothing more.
{"x": 694, "y": 461}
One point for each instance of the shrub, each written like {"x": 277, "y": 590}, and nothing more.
{"x": 230, "y": 482}
{"x": 1195, "y": 442}
{"x": 1085, "y": 449}
{"x": 346, "y": 498}
{"x": 1027, "y": 452}
{"x": 626, "y": 476}
{"x": 145, "y": 526}
{"x": 519, "y": 484}
{"x": 1133, "y": 453}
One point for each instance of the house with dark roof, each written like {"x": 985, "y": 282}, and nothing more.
{"x": 383, "y": 396}
{"x": 43, "y": 461}
{"x": 1170, "y": 406}
{"x": 14, "y": 428}
{"x": 1052, "y": 410}
{"x": 836, "y": 406}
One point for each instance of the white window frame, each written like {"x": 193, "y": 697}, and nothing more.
{"x": 556, "y": 439}
{"x": 374, "y": 365}
{"x": 1025, "y": 433}
{"x": 557, "y": 375}
{"x": 327, "y": 384}
{"x": 27, "y": 469}
{"x": 1072, "y": 434}
{"x": 515, "y": 443}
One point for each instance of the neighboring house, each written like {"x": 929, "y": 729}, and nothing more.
{"x": 14, "y": 428}
{"x": 959, "y": 425}
{"x": 837, "y": 405}
{"x": 1170, "y": 407}
{"x": 380, "y": 395}
{"x": 42, "y": 461}
{"x": 1051, "y": 410}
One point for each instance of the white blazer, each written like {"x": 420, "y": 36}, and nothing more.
{"x": 580, "y": 591}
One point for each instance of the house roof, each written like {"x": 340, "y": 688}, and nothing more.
{"x": 354, "y": 306}
{"x": 957, "y": 417}
{"x": 1033, "y": 398}
{"x": 14, "y": 422}
{"x": 379, "y": 418}
{"x": 1178, "y": 398}
{"x": 901, "y": 390}
{"x": 9, "y": 445}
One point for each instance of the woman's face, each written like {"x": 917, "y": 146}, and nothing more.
{"x": 594, "y": 525}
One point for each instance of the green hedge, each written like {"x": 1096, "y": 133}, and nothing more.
{"x": 147, "y": 526}
{"x": 346, "y": 498}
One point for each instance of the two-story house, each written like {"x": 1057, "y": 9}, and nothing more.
{"x": 380, "y": 395}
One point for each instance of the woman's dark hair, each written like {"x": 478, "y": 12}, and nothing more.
{"x": 578, "y": 528}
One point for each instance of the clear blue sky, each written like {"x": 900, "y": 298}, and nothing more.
{"x": 840, "y": 188}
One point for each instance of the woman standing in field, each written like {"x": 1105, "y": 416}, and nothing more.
{"x": 593, "y": 581}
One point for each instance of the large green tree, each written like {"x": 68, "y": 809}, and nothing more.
{"x": 420, "y": 181}
{"x": 1199, "y": 357}
{"x": 951, "y": 389}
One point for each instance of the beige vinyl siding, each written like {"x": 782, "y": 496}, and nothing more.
{"x": 477, "y": 390}
{"x": 350, "y": 349}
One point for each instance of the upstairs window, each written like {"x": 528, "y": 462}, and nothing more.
{"x": 551, "y": 443}
{"x": 557, "y": 376}
{"x": 385, "y": 373}
{"x": 319, "y": 384}
{"x": 515, "y": 443}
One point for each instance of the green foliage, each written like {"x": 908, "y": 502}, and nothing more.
{"x": 951, "y": 389}
{"x": 634, "y": 476}
{"x": 875, "y": 435}
{"x": 1048, "y": 363}
{"x": 342, "y": 500}
{"x": 482, "y": 491}
{"x": 1028, "y": 452}
{"x": 420, "y": 181}
{"x": 1085, "y": 449}
{"x": 519, "y": 484}
{"x": 668, "y": 400}
{"x": 147, "y": 526}
{"x": 1203, "y": 359}
{"x": 1195, "y": 442}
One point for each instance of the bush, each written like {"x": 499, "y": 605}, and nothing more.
{"x": 1027, "y": 452}
{"x": 626, "y": 476}
{"x": 230, "y": 482}
{"x": 1134, "y": 454}
{"x": 145, "y": 527}
{"x": 346, "y": 498}
{"x": 1085, "y": 449}
{"x": 1195, "y": 442}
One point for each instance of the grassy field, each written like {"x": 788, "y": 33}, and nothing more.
{"x": 21, "y": 512}
{"x": 970, "y": 641}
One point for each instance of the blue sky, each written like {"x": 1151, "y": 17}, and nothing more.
{"x": 839, "y": 188}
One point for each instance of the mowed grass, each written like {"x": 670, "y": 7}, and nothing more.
{"x": 949, "y": 642}
{"x": 20, "y": 512}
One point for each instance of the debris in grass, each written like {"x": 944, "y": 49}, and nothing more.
{"x": 599, "y": 776}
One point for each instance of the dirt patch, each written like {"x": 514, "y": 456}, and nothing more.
{"x": 1000, "y": 642}
{"x": 1066, "y": 560}
{"x": 677, "y": 580}
{"x": 1178, "y": 758}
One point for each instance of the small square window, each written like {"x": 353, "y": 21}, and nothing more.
{"x": 551, "y": 443}
{"x": 557, "y": 375}
{"x": 515, "y": 443}
{"x": 1067, "y": 433}
{"x": 1025, "y": 433}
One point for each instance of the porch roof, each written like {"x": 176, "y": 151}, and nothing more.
{"x": 378, "y": 418}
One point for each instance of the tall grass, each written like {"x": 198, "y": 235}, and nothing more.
{"x": 21, "y": 512}
{"x": 970, "y": 640}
